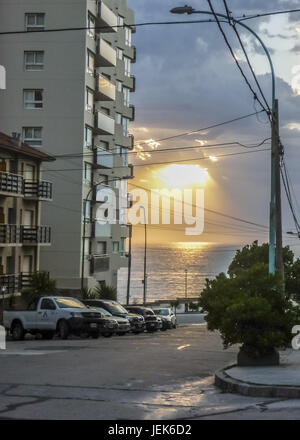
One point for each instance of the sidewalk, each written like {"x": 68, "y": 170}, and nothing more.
{"x": 280, "y": 381}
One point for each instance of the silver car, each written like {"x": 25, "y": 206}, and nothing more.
{"x": 168, "y": 315}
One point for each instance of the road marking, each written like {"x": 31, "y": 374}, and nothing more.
{"x": 183, "y": 346}
{"x": 27, "y": 352}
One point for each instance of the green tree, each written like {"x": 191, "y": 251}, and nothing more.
{"x": 248, "y": 308}
{"x": 175, "y": 303}
{"x": 193, "y": 306}
{"x": 106, "y": 292}
{"x": 40, "y": 284}
{"x": 89, "y": 293}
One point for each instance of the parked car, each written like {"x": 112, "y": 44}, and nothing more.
{"x": 54, "y": 314}
{"x": 167, "y": 314}
{"x": 123, "y": 325}
{"x": 153, "y": 322}
{"x": 137, "y": 322}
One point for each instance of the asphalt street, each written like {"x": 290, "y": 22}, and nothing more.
{"x": 166, "y": 375}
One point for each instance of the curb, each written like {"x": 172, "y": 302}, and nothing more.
{"x": 235, "y": 386}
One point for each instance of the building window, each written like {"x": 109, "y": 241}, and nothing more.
{"x": 115, "y": 247}
{"x": 119, "y": 53}
{"x": 34, "y": 21}
{"x": 101, "y": 248}
{"x": 124, "y": 154}
{"x": 119, "y": 86}
{"x": 126, "y": 92}
{"x": 87, "y": 173}
{"x": 118, "y": 118}
{"x": 91, "y": 26}
{"x": 32, "y": 136}
{"x": 33, "y": 99}
{"x": 87, "y": 211}
{"x": 88, "y": 137}
{"x": 90, "y": 63}
{"x": 125, "y": 123}
{"x": 127, "y": 36}
{"x": 120, "y": 20}
{"x": 127, "y": 66}
{"x": 89, "y": 100}
{"x": 34, "y": 60}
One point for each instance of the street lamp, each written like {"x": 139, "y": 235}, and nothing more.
{"x": 85, "y": 220}
{"x": 145, "y": 258}
{"x": 275, "y": 230}
{"x": 186, "y": 280}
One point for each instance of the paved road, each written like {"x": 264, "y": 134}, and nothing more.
{"x": 168, "y": 375}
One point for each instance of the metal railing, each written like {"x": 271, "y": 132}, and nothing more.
{"x": 38, "y": 188}
{"x": 12, "y": 183}
{"x": 99, "y": 263}
{"x": 16, "y": 282}
{"x": 10, "y": 234}
{"x": 36, "y": 234}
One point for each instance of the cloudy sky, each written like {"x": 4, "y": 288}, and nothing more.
{"x": 187, "y": 80}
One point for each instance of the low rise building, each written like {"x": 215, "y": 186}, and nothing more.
{"x": 22, "y": 192}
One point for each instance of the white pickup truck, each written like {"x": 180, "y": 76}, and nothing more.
{"x": 54, "y": 314}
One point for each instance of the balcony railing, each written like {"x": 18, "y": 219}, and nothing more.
{"x": 132, "y": 83}
{"x": 15, "y": 282}
{"x": 104, "y": 158}
{"x": 105, "y": 89}
{"x": 106, "y": 56}
{"x": 104, "y": 125}
{"x": 41, "y": 189}
{"x": 10, "y": 234}
{"x": 11, "y": 183}
{"x": 35, "y": 235}
{"x": 106, "y": 19}
{"x": 100, "y": 263}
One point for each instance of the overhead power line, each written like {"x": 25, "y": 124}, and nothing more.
{"x": 234, "y": 57}
{"x": 144, "y": 24}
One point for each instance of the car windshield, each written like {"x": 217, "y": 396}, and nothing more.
{"x": 149, "y": 312}
{"x": 115, "y": 308}
{"x": 163, "y": 312}
{"x": 100, "y": 309}
{"x": 69, "y": 303}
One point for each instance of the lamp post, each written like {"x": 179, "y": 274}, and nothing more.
{"x": 85, "y": 219}
{"x": 185, "y": 288}
{"x": 145, "y": 259}
{"x": 3, "y": 299}
{"x": 275, "y": 229}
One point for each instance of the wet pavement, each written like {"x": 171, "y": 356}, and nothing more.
{"x": 166, "y": 375}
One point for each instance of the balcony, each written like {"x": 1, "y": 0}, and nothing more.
{"x": 104, "y": 159}
{"x": 38, "y": 189}
{"x": 14, "y": 283}
{"x": 132, "y": 85}
{"x": 100, "y": 263}
{"x": 106, "y": 56}
{"x": 11, "y": 184}
{"x": 105, "y": 89}
{"x": 102, "y": 230}
{"x": 104, "y": 125}
{"x": 31, "y": 235}
{"x": 106, "y": 19}
{"x": 132, "y": 111}
{"x": 10, "y": 234}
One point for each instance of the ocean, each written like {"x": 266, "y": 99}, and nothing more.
{"x": 166, "y": 265}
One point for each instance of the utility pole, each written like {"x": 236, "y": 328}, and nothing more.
{"x": 129, "y": 265}
{"x": 278, "y": 215}
{"x": 186, "y": 280}
{"x": 145, "y": 258}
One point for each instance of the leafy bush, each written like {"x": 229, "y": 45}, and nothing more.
{"x": 39, "y": 285}
{"x": 248, "y": 307}
{"x": 105, "y": 292}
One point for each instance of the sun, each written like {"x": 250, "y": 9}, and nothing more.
{"x": 179, "y": 176}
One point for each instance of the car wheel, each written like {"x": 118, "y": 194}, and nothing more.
{"x": 163, "y": 329}
{"x": 95, "y": 335}
{"x": 63, "y": 329}
{"x": 17, "y": 331}
{"x": 107, "y": 335}
{"x": 121, "y": 333}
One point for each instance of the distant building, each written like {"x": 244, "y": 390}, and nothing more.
{"x": 69, "y": 94}
{"x": 22, "y": 192}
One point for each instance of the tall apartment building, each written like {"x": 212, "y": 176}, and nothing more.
{"x": 21, "y": 194}
{"x": 68, "y": 93}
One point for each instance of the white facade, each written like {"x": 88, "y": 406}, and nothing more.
{"x": 64, "y": 90}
